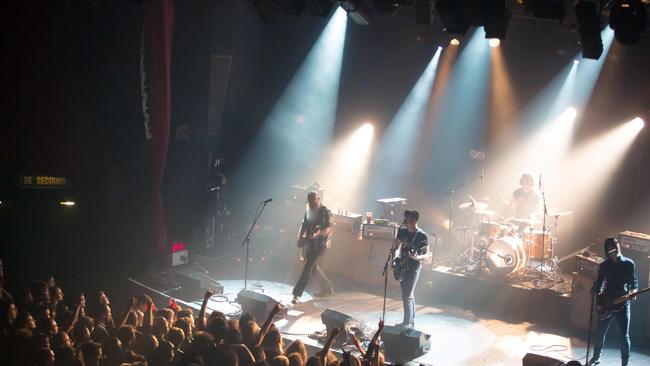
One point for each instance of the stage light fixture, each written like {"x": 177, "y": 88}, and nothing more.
{"x": 454, "y": 42}
{"x": 453, "y": 15}
{"x": 67, "y": 203}
{"x": 384, "y": 7}
{"x": 496, "y": 16}
{"x": 639, "y": 123}
{"x": 628, "y": 20}
{"x": 319, "y": 8}
{"x": 357, "y": 10}
{"x": 575, "y": 62}
{"x": 494, "y": 42}
{"x": 588, "y": 16}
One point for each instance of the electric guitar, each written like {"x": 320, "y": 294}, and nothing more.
{"x": 307, "y": 244}
{"x": 401, "y": 264}
{"x": 606, "y": 305}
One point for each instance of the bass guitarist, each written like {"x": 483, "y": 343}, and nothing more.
{"x": 413, "y": 246}
{"x": 314, "y": 237}
{"x": 616, "y": 278}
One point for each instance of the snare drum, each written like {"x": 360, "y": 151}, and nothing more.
{"x": 533, "y": 239}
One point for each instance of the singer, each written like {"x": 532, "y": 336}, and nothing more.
{"x": 314, "y": 238}
{"x": 413, "y": 248}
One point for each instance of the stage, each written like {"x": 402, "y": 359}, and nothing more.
{"x": 458, "y": 336}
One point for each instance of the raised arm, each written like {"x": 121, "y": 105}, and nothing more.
{"x": 374, "y": 343}
{"x": 125, "y": 314}
{"x": 267, "y": 324}
{"x": 328, "y": 345}
{"x": 147, "y": 322}
{"x": 204, "y": 305}
{"x": 357, "y": 344}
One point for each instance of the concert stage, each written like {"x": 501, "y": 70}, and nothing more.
{"x": 458, "y": 336}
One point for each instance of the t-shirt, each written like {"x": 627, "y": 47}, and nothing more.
{"x": 618, "y": 278}
{"x": 412, "y": 240}
{"x": 527, "y": 202}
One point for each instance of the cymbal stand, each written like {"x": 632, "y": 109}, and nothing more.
{"x": 451, "y": 192}
{"x": 542, "y": 275}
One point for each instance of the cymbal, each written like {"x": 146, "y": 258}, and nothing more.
{"x": 526, "y": 221}
{"x": 476, "y": 205}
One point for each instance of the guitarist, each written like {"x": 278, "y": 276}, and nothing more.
{"x": 413, "y": 248}
{"x": 616, "y": 278}
{"x": 314, "y": 236}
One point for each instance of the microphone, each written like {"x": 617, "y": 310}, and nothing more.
{"x": 482, "y": 175}
{"x": 267, "y": 201}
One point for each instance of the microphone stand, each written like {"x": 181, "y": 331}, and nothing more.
{"x": 541, "y": 265}
{"x": 384, "y": 273}
{"x": 247, "y": 239}
{"x": 451, "y": 192}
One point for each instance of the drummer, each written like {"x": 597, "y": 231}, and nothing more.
{"x": 525, "y": 200}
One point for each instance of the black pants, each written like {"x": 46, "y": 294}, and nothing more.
{"x": 314, "y": 254}
{"x": 623, "y": 320}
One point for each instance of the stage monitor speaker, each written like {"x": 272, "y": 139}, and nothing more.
{"x": 256, "y": 304}
{"x": 580, "y": 302}
{"x": 190, "y": 287}
{"x": 404, "y": 344}
{"x": 532, "y": 359}
{"x": 335, "y": 319}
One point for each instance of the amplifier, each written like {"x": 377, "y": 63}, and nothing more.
{"x": 588, "y": 266}
{"x": 347, "y": 221}
{"x": 379, "y": 232}
{"x": 635, "y": 241}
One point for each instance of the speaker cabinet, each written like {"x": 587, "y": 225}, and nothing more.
{"x": 339, "y": 258}
{"x": 335, "y": 319}
{"x": 369, "y": 258}
{"x": 258, "y": 305}
{"x": 531, "y": 359}
{"x": 581, "y": 302}
{"x": 405, "y": 344}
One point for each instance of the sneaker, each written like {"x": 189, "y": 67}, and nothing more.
{"x": 296, "y": 300}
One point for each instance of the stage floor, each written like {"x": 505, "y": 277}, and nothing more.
{"x": 458, "y": 337}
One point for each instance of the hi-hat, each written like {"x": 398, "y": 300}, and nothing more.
{"x": 473, "y": 205}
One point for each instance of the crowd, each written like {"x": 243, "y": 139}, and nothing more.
{"x": 45, "y": 329}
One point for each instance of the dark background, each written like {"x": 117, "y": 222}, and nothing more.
{"x": 73, "y": 109}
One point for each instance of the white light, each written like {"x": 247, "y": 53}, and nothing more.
{"x": 439, "y": 48}
{"x": 454, "y": 42}
{"x": 494, "y": 42}
{"x": 575, "y": 62}
{"x": 638, "y": 123}
{"x": 67, "y": 203}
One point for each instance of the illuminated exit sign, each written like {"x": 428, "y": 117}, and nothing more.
{"x": 44, "y": 182}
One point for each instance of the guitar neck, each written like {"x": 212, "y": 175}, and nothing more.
{"x": 631, "y": 296}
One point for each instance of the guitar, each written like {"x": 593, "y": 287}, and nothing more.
{"x": 606, "y": 305}
{"x": 401, "y": 264}
{"x": 307, "y": 243}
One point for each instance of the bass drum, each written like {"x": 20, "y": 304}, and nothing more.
{"x": 506, "y": 255}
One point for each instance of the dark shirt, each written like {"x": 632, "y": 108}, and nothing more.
{"x": 412, "y": 241}
{"x": 322, "y": 220}
{"x": 526, "y": 202}
{"x": 616, "y": 278}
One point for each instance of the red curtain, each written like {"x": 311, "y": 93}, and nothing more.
{"x": 159, "y": 30}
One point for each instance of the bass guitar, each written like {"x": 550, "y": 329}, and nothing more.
{"x": 606, "y": 305}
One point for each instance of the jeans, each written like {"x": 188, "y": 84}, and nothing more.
{"x": 311, "y": 266}
{"x": 408, "y": 299}
{"x": 623, "y": 319}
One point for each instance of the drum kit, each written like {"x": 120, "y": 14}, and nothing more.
{"x": 508, "y": 247}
